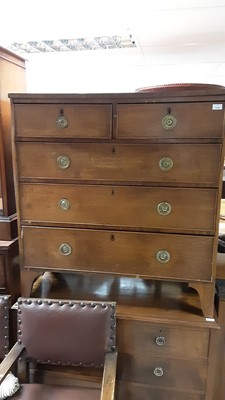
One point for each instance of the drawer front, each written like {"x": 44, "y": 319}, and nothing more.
{"x": 177, "y": 120}
{"x": 131, "y": 391}
{"x": 142, "y": 338}
{"x": 63, "y": 120}
{"x": 137, "y": 207}
{"x": 170, "y": 164}
{"x": 128, "y": 253}
{"x": 162, "y": 372}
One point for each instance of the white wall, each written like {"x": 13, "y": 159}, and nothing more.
{"x": 177, "y": 41}
{"x": 106, "y": 71}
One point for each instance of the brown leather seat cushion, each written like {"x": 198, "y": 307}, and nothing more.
{"x": 37, "y": 391}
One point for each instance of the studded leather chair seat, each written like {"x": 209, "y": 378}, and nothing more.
{"x": 70, "y": 334}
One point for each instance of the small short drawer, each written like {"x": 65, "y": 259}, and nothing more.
{"x": 143, "y": 338}
{"x": 63, "y": 120}
{"x": 175, "y": 120}
{"x": 179, "y": 374}
{"x": 173, "y": 164}
{"x": 148, "y": 208}
{"x": 144, "y": 254}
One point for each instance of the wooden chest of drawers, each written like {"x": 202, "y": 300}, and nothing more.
{"x": 124, "y": 184}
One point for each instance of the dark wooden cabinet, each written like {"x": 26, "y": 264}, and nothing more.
{"x": 12, "y": 78}
{"x": 9, "y": 268}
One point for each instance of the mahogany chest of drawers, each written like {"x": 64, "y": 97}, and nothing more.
{"x": 125, "y": 184}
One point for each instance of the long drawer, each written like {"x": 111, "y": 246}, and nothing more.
{"x": 142, "y": 338}
{"x": 163, "y": 372}
{"x": 177, "y": 120}
{"x": 64, "y": 120}
{"x": 172, "y": 209}
{"x": 185, "y": 164}
{"x": 144, "y": 254}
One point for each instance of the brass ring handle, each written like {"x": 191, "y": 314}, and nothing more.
{"x": 158, "y": 371}
{"x": 163, "y": 256}
{"x": 160, "y": 341}
{"x": 165, "y": 164}
{"x": 64, "y": 204}
{"x": 63, "y": 162}
{"x": 164, "y": 208}
{"x": 169, "y": 122}
{"x": 61, "y": 121}
{"x": 65, "y": 249}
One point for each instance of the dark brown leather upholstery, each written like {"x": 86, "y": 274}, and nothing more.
{"x": 67, "y": 333}
{"x": 4, "y": 325}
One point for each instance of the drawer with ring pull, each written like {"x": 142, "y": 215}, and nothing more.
{"x": 170, "y": 120}
{"x": 150, "y": 208}
{"x": 63, "y": 121}
{"x": 168, "y": 256}
{"x": 165, "y": 164}
{"x": 182, "y": 374}
{"x": 161, "y": 340}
